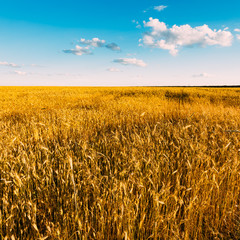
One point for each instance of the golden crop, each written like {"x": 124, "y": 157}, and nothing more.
{"x": 119, "y": 163}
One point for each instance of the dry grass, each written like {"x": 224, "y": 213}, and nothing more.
{"x": 119, "y": 163}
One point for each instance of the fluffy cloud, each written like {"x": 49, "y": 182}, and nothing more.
{"x": 130, "y": 61}
{"x": 89, "y": 45}
{"x": 203, "y": 75}
{"x": 238, "y": 31}
{"x": 8, "y": 64}
{"x": 113, "y": 47}
{"x": 159, "y": 8}
{"x": 137, "y": 24}
{"x": 79, "y": 51}
{"x": 172, "y": 39}
{"x": 112, "y": 69}
{"x": 20, "y": 73}
{"x": 95, "y": 42}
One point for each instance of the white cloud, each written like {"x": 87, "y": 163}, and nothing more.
{"x": 112, "y": 69}
{"x": 8, "y": 64}
{"x": 135, "y": 21}
{"x": 79, "y": 51}
{"x": 131, "y": 54}
{"x": 113, "y": 47}
{"x": 98, "y": 43}
{"x": 159, "y": 8}
{"x": 237, "y": 30}
{"x": 238, "y": 36}
{"x": 130, "y": 61}
{"x": 89, "y": 45}
{"x": 95, "y": 42}
{"x": 66, "y": 75}
{"x": 172, "y": 39}
{"x": 36, "y": 65}
{"x": 203, "y": 75}
{"x": 137, "y": 24}
{"x": 20, "y": 73}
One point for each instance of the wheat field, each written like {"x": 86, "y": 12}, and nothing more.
{"x": 119, "y": 163}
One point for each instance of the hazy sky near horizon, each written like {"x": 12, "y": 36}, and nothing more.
{"x": 119, "y": 43}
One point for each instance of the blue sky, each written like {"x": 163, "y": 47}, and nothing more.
{"x": 109, "y": 43}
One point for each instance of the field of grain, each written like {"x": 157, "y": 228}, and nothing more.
{"x": 119, "y": 163}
